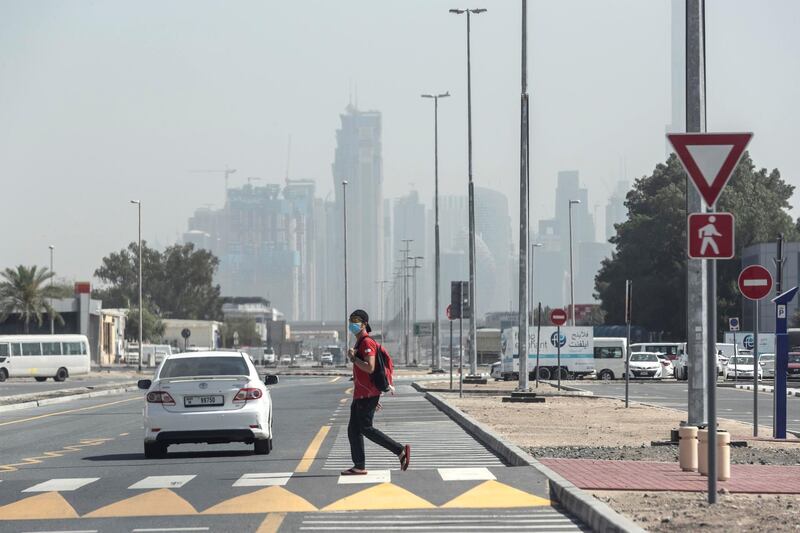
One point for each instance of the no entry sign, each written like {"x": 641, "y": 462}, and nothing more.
{"x": 755, "y": 282}
{"x": 558, "y": 317}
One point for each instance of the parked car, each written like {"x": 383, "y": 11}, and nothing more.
{"x": 741, "y": 366}
{"x": 326, "y": 358}
{"x": 496, "y": 370}
{"x": 286, "y": 359}
{"x": 767, "y": 362}
{"x": 207, "y": 397}
{"x": 668, "y": 364}
{"x": 646, "y": 365}
{"x": 793, "y": 371}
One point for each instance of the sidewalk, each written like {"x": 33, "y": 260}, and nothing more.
{"x": 657, "y": 476}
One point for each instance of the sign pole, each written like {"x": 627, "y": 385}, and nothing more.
{"x": 628, "y": 347}
{"x": 735, "y": 361}
{"x": 538, "y": 337}
{"x": 461, "y": 357}
{"x": 451, "y": 353}
{"x": 711, "y": 378}
{"x": 755, "y": 371}
{"x": 558, "y": 343}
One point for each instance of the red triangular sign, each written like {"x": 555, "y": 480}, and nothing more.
{"x": 709, "y": 159}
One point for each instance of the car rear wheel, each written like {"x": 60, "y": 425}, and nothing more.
{"x": 262, "y": 446}
{"x": 564, "y": 373}
{"x": 154, "y": 450}
{"x": 3, "y": 374}
{"x": 40, "y": 378}
{"x": 606, "y": 375}
{"x": 544, "y": 373}
{"x": 61, "y": 374}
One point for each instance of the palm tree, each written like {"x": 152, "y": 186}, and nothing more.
{"x": 25, "y": 292}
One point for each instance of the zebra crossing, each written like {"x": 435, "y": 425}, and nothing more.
{"x": 436, "y": 441}
{"x": 539, "y": 520}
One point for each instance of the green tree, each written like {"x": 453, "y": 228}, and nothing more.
{"x": 26, "y": 291}
{"x": 177, "y": 283}
{"x": 651, "y": 243}
{"x": 152, "y": 326}
{"x": 245, "y": 327}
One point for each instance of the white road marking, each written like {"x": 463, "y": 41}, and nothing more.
{"x": 62, "y": 485}
{"x": 372, "y": 476}
{"x": 162, "y": 482}
{"x": 465, "y": 474}
{"x": 263, "y": 480}
{"x": 155, "y": 529}
{"x": 66, "y": 531}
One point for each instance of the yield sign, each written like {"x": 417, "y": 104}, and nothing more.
{"x": 709, "y": 159}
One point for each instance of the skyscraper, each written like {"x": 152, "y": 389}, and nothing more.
{"x": 616, "y": 212}
{"x": 358, "y": 160}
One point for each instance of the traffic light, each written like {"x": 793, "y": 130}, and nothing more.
{"x": 459, "y": 300}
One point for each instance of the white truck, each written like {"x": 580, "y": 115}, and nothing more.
{"x": 577, "y": 352}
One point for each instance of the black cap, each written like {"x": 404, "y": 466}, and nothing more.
{"x": 360, "y": 313}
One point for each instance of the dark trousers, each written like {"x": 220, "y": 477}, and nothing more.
{"x": 360, "y": 426}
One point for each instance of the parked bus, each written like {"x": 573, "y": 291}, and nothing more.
{"x": 44, "y": 356}
{"x": 609, "y": 357}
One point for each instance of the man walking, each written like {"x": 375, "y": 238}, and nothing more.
{"x": 365, "y": 399}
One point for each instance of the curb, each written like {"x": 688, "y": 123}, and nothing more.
{"x": 503, "y": 392}
{"x": 64, "y": 399}
{"x": 767, "y": 388}
{"x": 594, "y": 513}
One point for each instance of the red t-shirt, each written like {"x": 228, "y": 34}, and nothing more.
{"x": 363, "y": 387}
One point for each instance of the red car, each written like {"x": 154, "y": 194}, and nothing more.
{"x": 794, "y": 366}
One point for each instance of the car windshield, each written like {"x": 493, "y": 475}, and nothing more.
{"x": 766, "y": 358}
{"x": 647, "y": 357}
{"x": 794, "y": 357}
{"x": 741, "y": 361}
{"x": 204, "y": 366}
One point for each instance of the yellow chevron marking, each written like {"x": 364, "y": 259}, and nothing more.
{"x": 43, "y": 506}
{"x": 266, "y": 500}
{"x": 383, "y": 496}
{"x": 493, "y": 494}
{"x": 160, "y": 502}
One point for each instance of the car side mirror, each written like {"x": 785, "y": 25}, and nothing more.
{"x": 144, "y": 384}
{"x": 270, "y": 379}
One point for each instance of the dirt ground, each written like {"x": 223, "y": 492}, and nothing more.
{"x": 590, "y": 427}
{"x": 690, "y": 511}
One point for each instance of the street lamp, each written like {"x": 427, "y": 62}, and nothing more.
{"x": 571, "y": 266}
{"x": 414, "y": 296}
{"x": 534, "y": 246}
{"x": 473, "y": 308}
{"x": 436, "y": 358}
{"x": 52, "y": 318}
{"x": 138, "y": 203}
{"x": 346, "y": 309}
{"x": 406, "y": 307}
{"x": 382, "y": 283}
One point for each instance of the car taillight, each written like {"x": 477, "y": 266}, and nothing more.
{"x": 160, "y": 397}
{"x": 247, "y": 394}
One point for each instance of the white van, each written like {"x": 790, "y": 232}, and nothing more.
{"x": 44, "y": 356}
{"x": 609, "y": 357}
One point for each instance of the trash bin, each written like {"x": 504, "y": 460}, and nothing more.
{"x": 723, "y": 455}
{"x": 702, "y": 451}
{"x": 687, "y": 448}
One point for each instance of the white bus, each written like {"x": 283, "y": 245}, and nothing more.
{"x": 44, "y": 356}
{"x": 609, "y": 357}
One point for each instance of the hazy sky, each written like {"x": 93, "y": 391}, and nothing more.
{"x": 104, "y": 101}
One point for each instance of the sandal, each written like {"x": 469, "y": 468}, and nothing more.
{"x": 405, "y": 457}
{"x": 353, "y": 472}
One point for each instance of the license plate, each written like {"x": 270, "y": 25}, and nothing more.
{"x": 200, "y": 401}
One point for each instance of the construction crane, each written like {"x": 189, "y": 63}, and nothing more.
{"x": 227, "y": 171}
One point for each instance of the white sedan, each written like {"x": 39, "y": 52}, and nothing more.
{"x": 207, "y": 397}
{"x": 646, "y": 365}
{"x": 741, "y": 366}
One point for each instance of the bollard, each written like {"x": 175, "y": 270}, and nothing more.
{"x": 687, "y": 448}
{"x": 702, "y": 451}
{"x": 723, "y": 455}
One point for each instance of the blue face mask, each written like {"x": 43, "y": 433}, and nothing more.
{"x": 354, "y": 328}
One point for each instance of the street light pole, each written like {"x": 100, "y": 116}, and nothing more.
{"x": 138, "y": 204}
{"x": 414, "y": 305}
{"x": 571, "y": 266}
{"x": 406, "y": 307}
{"x": 472, "y": 304}
{"x": 52, "y": 318}
{"x": 531, "y": 300}
{"x": 344, "y": 217}
{"x": 524, "y": 199}
{"x": 436, "y": 357}
{"x": 382, "y": 283}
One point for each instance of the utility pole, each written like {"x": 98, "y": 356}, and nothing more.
{"x": 524, "y": 201}
{"x": 437, "y": 361}
{"x": 52, "y": 317}
{"x": 406, "y": 307}
{"x": 571, "y": 267}
{"x": 414, "y": 308}
{"x": 698, "y": 337}
{"x": 346, "y": 308}
{"x": 473, "y": 348}
{"x": 138, "y": 204}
